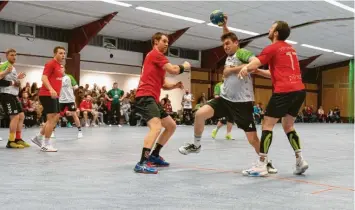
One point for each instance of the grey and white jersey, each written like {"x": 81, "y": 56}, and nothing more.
{"x": 235, "y": 89}
{"x": 12, "y": 76}
{"x": 67, "y": 92}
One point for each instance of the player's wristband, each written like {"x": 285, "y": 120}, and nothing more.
{"x": 182, "y": 69}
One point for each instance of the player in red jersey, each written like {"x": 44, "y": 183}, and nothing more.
{"x": 49, "y": 98}
{"x": 148, "y": 105}
{"x": 287, "y": 98}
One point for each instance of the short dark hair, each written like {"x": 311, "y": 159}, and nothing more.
{"x": 158, "y": 36}
{"x": 283, "y": 29}
{"x": 229, "y": 35}
{"x": 11, "y": 50}
{"x": 55, "y": 50}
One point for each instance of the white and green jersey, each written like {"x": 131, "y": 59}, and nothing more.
{"x": 9, "y": 77}
{"x": 233, "y": 88}
{"x": 67, "y": 91}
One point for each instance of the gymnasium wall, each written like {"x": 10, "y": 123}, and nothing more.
{"x": 335, "y": 89}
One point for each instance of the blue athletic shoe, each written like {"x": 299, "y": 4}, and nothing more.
{"x": 158, "y": 161}
{"x": 145, "y": 168}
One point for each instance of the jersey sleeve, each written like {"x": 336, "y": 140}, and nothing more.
{"x": 160, "y": 60}
{"x": 122, "y": 93}
{"x": 4, "y": 66}
{"x": 72, "y": 80}
{"x": 244, "y": 55}
{"x": 48, "y": 69}
{"x": 267, "y": 53}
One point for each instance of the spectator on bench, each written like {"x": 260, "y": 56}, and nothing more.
{"x": 321, "y": 115}
{"x": 337, "y": 115}
{"x": 87, "y": 112}
{"x": 29, "y": 110}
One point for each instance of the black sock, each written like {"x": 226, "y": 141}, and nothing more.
{"x": 157, "y": 150}
{"x": 79, "y": 128}
{"x": 294, "y": 141}
{"x": 265, "y": 142}
{"x": 145, "y": 155}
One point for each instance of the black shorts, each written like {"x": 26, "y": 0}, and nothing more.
{"x": 71, "y": 107}
{"x": 239, "y": 112}
{"x": 149, "y": 108}
{"x": 281, "y": 104}
{"x": 50, "y": 105}
{"x": 11, "y": 104}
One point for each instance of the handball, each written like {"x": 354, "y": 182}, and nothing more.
{"x": 217, "y": 17}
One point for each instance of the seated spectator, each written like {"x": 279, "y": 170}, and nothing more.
{"x": 126, "y": 109}
{"x": 305, "y": 114}
{"x": 336, "y": 113}
{"x": 330, "y": 116}
{"x": 100, "y": 115}
{"x": 102, "y": 107}
{"x": 34, "y": 90}
{"x": 87, "y": 112}
{"x": 29, "y": 110}
{"x": 321, "y": 115}
{"x": 168, "y": 108}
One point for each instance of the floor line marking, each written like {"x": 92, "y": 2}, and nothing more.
{"x": 272, "y": 177}
{"x": 320, "y": 191}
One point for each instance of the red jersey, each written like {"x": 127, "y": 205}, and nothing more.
{"x": 153, "y": 75}
{"x": 284, "y": 67}
{"x": 85, "y": 105}
{"x": 53, "y": 71}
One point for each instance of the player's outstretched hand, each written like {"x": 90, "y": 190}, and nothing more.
{"x": 21, "y": 75}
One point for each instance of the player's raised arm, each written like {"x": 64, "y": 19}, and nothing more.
{"x": 224, "y": 26}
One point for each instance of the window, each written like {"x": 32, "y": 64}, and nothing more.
{"x": 27, "y": 30}
{"x": 110, "y": 43}
{"x": 55, "y": 34}
{"x": 7, "y": 27}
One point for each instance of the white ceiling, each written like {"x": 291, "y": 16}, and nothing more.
{"x": 256, "y": 16}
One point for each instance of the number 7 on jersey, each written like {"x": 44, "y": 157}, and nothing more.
{"x": 290, "y": 54}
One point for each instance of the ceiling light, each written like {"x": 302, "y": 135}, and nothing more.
{"x": 343, "y": 6}
{"x": 316, "y": 48}
{"x": 344, "y": 54}
{"x": 117, "y": 3}
{"x": 170, "y": 15}
{"x": 236, "y": 30}
{"x": 291, "y": 42}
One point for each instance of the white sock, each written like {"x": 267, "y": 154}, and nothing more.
{"x": 300, "y": 158}
{"x": 228, "y": 134}
{"x": 197, "y": 140}
{"x": 47, "y": 141}
{"x": 217, "y": 128}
